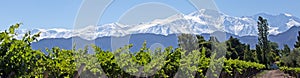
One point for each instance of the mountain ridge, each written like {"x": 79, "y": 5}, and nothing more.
{"x": 288, "y": 37}
{"x": 198, "y": 22}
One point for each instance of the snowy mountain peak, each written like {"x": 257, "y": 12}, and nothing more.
{"x": 202, "y": 12}
{"x": 287, "y": 14}
{"x": 168, "y": 20}
{"x": 201, "y": 21}
{"x": 292, "y": 22}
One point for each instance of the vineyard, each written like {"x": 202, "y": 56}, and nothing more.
{"x": 292, "y": 71}
{"x": 18, "y": 59}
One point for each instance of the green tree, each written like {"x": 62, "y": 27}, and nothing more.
{"x": 108, "y": 61}
{"x": 201, "y": 40}
{"x": 293, "y": 59}
{"x": 188, "y": 42}
{"x": 60, "y": 62}
{"x": 259, "y": 53}
{"x": 17, "y": 59}
{"x": 274, "y": 53}
{"x": 235, "y": 49}
{"x": 263, "y": 41}
{"x": 203, "y": 44}
{"x": 143, "y": 57}
{"x": 92, "y": 67}
{"x": 297, "y": 45}
{"x": 249, "y": 55}
{"x": 171, "y": 67}
{"x": 286, "y": 50}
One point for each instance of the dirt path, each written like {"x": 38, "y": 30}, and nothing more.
{"x": 275, "y": 74}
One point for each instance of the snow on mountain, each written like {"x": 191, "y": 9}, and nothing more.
{"x": 202, "y": 21}
{"x": 286, "y": 14}
{"x": 292, "y": 23}
{"x": 47, "y": 33}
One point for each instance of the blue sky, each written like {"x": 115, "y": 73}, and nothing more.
{"x": 62, "y": 13}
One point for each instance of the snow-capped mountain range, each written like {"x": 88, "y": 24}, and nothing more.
{"x": 202, "y": 21}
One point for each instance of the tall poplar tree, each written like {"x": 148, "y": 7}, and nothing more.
{"x": 297, "y": 45}
{"x": 263, "y": 41}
